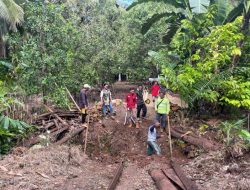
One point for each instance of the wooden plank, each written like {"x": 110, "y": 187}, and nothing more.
{"x": 161, "y": 181}
{"x": 69, "y": 136}
{"x": 170, "y": 173}
{"x": 116, "y": 178}
{"x": 188, "y": 183}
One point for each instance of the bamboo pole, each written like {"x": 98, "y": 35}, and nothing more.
{"x": 169, "y": 138}
{"x": 72, "y": 99}
{"x": 86, "y": 136}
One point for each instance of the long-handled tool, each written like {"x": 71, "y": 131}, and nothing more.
{"x": 125, "y": 120}
{"x": 169, "y": 138}
{"x": 86, "y": 136}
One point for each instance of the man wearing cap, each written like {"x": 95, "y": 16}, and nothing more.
{"x": 106, "y": 100}
{"x": 84, "y": 104}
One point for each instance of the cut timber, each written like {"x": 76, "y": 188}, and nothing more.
{"x": 56, "y": 133}
{"x": 188, "y": 183}
{"x": 51, "y": 111}
{"x": 117, "y": 175}
{"x": 170, "y": 173}
{"x": 52, "y": 135}
{"x": 197, "y": 141}
{"x": 69, "y": 136}
{"x": 162, "y": 182}
{"x": 46, "y": 127}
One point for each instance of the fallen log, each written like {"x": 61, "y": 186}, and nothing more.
{"x": 43, "y": 115}
{"x": 161, "y": 181}
{"x": 188, "y": 183}
{"x": 48, "y": 125}
{"x": 56, "y": 133}
{"x": 117, "y": 175}
{"x": 171, "y": 175}
{"x": 56, "y": 124}
{"x": 197, "y": 141}
{"x": 37, "y": 139}
{"x": 69, "y": 136}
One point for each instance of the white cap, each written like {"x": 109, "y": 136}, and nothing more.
{"x": 86, "y": 86}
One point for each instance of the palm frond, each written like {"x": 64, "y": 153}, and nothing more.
{"x": 15, "y": 13}
{"x": 155, "y": 18}
{"x": 172, "y": 28}
{"x": 177, "y": 4}
{"x": 4, "y": 13}
{"x": 234, "y": 13}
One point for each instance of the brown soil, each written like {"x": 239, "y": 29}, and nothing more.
{"x": 109, "y": 142}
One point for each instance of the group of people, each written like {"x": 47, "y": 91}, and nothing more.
{"x": 135, "y": 101}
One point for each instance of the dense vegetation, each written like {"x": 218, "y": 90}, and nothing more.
{"x": 202, "y": 51}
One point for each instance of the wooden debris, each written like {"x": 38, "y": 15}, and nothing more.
{"x": 69, "y": 136}
{"x": 188, "y": 183}
{"x": 117, "y": 175}
{"x": 197, "y": 141}
{"x": 161, "y": 181}
{"x": 43, "y": 175}
{"x": 170, "y": 173}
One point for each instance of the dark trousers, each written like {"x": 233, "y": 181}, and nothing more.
{"x": 142, "y": 107}
{"x": 84, "y": 117}
{"x": 162, "y": 118}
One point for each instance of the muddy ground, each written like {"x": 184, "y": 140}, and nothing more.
{"x": 110, "y": 142}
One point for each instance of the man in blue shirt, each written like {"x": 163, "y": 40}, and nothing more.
{"x": 152, "y": 136}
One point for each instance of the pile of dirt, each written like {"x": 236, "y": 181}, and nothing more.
{"x": 210, "y": 171}
{"x": 61, "y": 167}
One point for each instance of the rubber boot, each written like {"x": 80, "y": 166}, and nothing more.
{"x": 162, "y": 130}
{"x": 137, "y": 125}
{"x": 130, "y": 125}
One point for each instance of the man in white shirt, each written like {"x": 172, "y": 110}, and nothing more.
{"x": 106, "y": 100}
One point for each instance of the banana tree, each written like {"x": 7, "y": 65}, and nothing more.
{"x": 190, "y": 9}
{"x": 11, "y": 15}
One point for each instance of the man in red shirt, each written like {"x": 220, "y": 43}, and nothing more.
{"x": 131, "y": 99}
{"x": 155, "y": 90}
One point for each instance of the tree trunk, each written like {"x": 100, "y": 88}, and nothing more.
{"x": 197, "y": 141}
{"x": 2, "y": 48}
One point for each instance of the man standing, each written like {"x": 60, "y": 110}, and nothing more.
{"x": 162, "y": 108}
{"x": 152, "y": 136}
{"x": 84, "y": 102}
{"x": 106, "y": 100}
{"x": 140, "y": 103}
{"x": 155, "y": 90}
{"x": 130, "y": 105}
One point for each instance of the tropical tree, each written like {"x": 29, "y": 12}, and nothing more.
{"x": 192, "y": 10}
{"x": 11, "y": 15}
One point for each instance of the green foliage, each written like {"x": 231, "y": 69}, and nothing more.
{"x": 59, "y": 98}
{"x": 72, "y": 44}
{"x": 203, "y": 68}
{"x": 10, "y": 131}
{"x": 233, "y": 129}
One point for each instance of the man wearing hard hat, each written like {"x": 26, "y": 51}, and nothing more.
{"x": 84, "y": 104}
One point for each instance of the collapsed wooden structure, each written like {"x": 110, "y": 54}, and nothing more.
{"x": 59, "y": 126}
